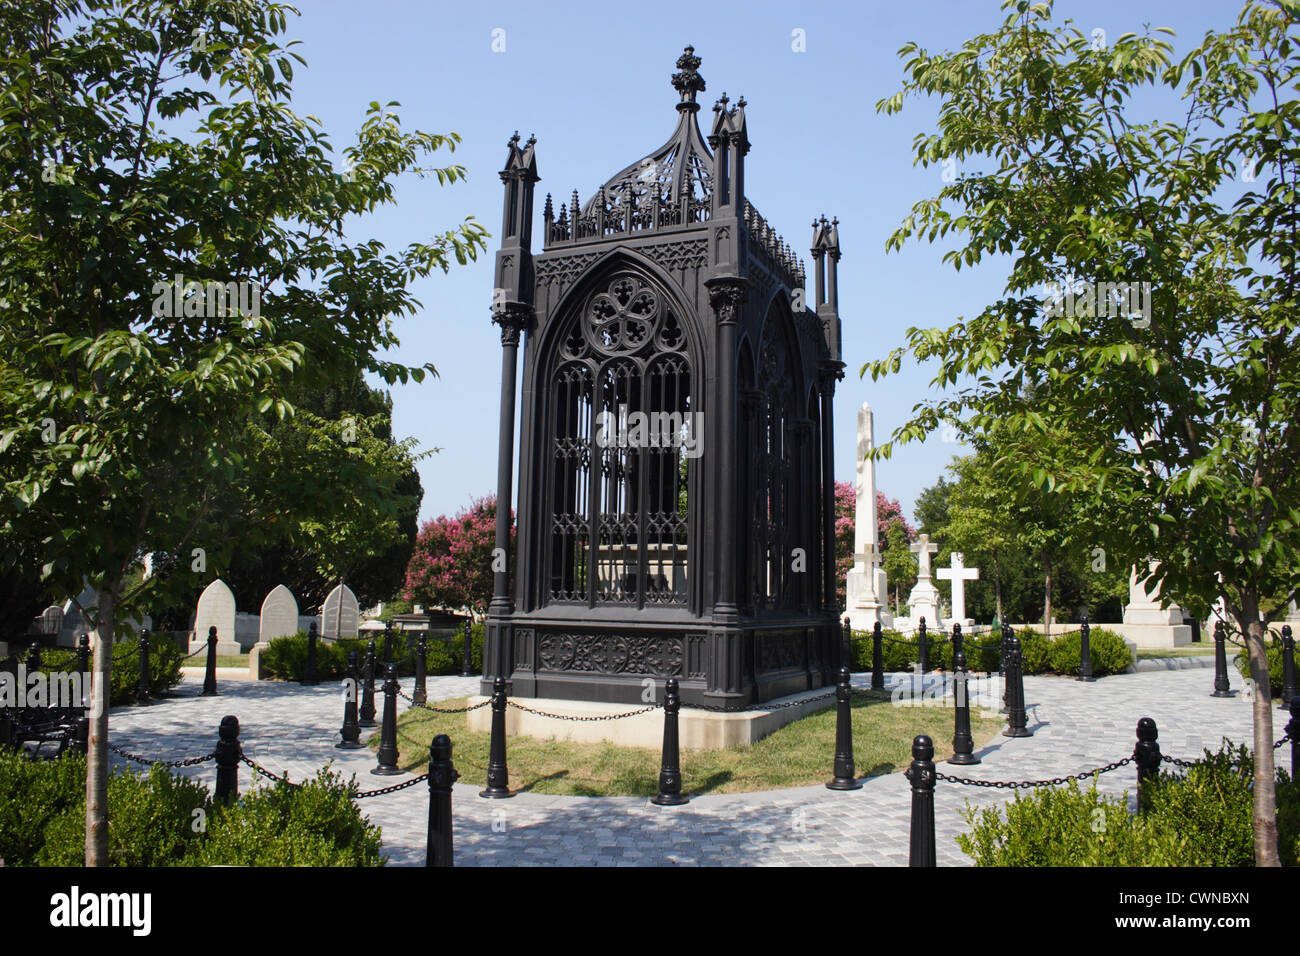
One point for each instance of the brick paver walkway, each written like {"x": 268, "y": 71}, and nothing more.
{"x": 1076, "y": 727}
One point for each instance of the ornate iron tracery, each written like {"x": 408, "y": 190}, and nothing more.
{"x": 621, "y": 405}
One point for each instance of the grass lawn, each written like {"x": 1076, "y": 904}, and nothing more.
{"x": 1195, "y": 650}
{"x": 223, "y": 660}
{"x": 798, "y": 754}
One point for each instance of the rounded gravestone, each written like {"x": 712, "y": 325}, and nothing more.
{"x": 340, "y": 614}
{"x": 216, "y": 608}
{"x": 279, "y": 616}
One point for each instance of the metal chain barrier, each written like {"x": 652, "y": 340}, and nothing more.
{"x": 1029, "y": 784}
{"x": 192, "y": 761}
{"x": 393, "y": 789}
{"x": 363, "y": 795}
{"x": 441, "y": 710}
{"x": 542, "y": 713}
{"x": 757, "y": 707}
{"x": 244, "y": 758}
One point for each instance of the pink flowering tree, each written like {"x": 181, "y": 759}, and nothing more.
{"x": 452, "y": 565}
{"x": 888, "y": 510}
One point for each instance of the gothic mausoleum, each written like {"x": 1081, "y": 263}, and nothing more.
{"x": 676, "y": 470}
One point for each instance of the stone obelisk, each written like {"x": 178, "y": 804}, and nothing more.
{"x": 866, "y": 588}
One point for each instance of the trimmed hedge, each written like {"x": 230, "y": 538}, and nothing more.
{"x": 1201, "y": 819}
{"x": 1273, "y": 653}
{"x": 164, "y": 667}
{"x": 286, "y": 657}
{"x": 162, "y": 819}
{"x": 1041, "y": 655}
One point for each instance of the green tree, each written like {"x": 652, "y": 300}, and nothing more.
{"x": 896, "y": 558}
{"x": 1180, "y": 403}
{"x": 145, "y": 141}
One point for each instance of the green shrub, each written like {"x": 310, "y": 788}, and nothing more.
{"x": 316, "y": 824}
{"x": 286, "y": 657}
{"x": 1201, "y": 819}
{"x": 1040, "y": 655}
{"x": 1106, "y": 649}
{"x": 1109, "y": 653}
{"x": 162, "y": 819}
{"x": 165, "y": 660}
{"x": 1273, "y": 652}
{"x": 32, "y": 793}
{"x": 152, "y": 822}
{"x": 1035, "y": 651}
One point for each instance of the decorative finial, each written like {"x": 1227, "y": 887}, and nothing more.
{"x": 687, "y": 81}
{"x": 741, "y": 102}
{"x": 532, "y": 140}
{"x": 514, "y": 140}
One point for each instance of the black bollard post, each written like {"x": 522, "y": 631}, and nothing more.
{"x": 877, "y": 667}
{"x": 210, "y": 673}
{"x": 1007, "y": 635}
{"x": 1146, "y": 754}
{"x": 34, "y": 662}
{"x": 467, "y": 655}
{"x": 670, "y": 771}
{"x": 368, "y": 687}
{"x": 846, "y": 649}
{"x": 81, "y": 736}
{"x": 1017, "y": 720}
{"x": 351, "y": 729}
{"x": 498, "y": 773}
{"x": 421, "y": 694}
{"x": 1085, "y": 651}
{"x": 442, "y": 774}
{"x": 83, "y": 655}
{"x": 846, "y": 777}
{"x": 388, "y": 642}
{"x": 1288, "y": 667}
{"x": 923, "y": 648}
{"x": 228, "y": 754}
{"x": 1293, "y": 731}
{"x": 958, "y": 642}
{"x": 963, "y": 744}
{"x": 388, "y": 735}
{"x": 83, "y": 669}
{"x": 1220, "y": 662}
{"x": 309, "y": 678}
{"x": 921, "y": 775}
{"x": 142, "y": 681}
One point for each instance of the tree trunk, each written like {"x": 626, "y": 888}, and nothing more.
{"x": 1265, "y": 775}
{"x": 97, "y": 747}
{"x": 1047, "y": 597}
{"x": 997, "y": 581}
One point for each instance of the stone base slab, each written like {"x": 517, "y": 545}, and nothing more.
{"x": 1153, "y": 635}
{"x": 224, "y": 648}
{"x": 697, "y": 729}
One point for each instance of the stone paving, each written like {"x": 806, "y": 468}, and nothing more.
{"x": 293, "y": 729}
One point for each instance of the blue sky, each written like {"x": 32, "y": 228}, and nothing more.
{"x": 591, "y": 81}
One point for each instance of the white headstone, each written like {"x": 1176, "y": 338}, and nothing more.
{"x": 958, "y": 574}
{"x": 51, "y": 619}
{"x": 279, "y": 617}
{"x": 340, "y": 614}
{"x": 216, "y": 609}
{"x": 865, "y": 587}
{"x": 923, "y": 602}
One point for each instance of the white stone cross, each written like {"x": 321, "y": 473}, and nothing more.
{"x": 923, "y": 548}
{"x": 958, "y": 574}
